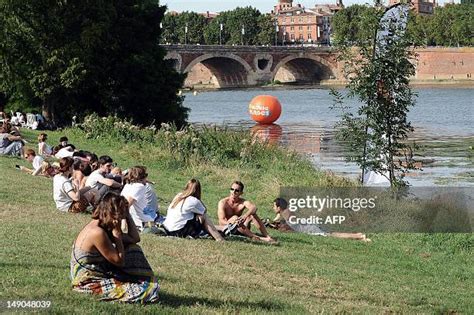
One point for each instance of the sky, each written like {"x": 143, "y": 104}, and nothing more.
{"x": 263, "y": 6}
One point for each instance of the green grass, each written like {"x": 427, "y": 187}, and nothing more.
{"x": 461, "y": 147}
{"x": 399, "y": 273}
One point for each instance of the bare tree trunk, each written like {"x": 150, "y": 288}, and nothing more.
{"x": 3, "y": 101}
{"x": 48, "y": 113}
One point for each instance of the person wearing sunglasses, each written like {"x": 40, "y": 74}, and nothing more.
{"x": 231, "y": 210}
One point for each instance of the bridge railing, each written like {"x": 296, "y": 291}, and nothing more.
{"x": 243, "y": 48}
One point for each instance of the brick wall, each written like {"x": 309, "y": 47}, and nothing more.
{"x": 445, "y": 64}
{"x": 200, "y": 75}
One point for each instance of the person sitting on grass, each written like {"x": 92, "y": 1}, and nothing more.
{"x": 116, "y": 174}
{"x": 152, "y": 205}
{"x": 43, "y": 148}
{"x": 279, "y": 223}
{"x": 230, "y": 210}
{"x": 64, "y": 142}
{"x": 135, "y": 193}
{"x": 107, "y": 261}
{"x": 280, "y": 207}
{"x": 67, "y": 196}
{"x": 40, "y": 166}
{"x": 80, "y": 172}
{"x": 60, "y": 152}
{"x": 97, "y": 179}
{"x": 93, "y": 160}
{"x": 187, "y": 217}
{"x": 11, "y": 143}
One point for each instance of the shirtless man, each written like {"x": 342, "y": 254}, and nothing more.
{"x": 231, "y": 210}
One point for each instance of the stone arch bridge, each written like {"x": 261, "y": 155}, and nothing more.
{"x": 244, "y": 66}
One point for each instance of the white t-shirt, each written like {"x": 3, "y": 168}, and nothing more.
{"x": 64, "y": 152}
{"x": 43, "y": 146}
{"x": 94, "y": 178}
{"x": 61, "y": 187}
{"x": 137, "y": 191}
{"x": 184, "y": 211}
{"x": 37, "y": 162}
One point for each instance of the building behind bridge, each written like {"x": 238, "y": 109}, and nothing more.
{"x": 422, "y": 7}
{"x": 300, "y": 25}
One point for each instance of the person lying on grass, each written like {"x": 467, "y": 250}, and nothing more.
{"x": 280, "y": 207}
{"x": 67, "y": 196}
{"x": 40, "y": 166}
{"x": 230, "y": 210}
{"x": 187, "y": 217}
{"x": 106, "y": 261}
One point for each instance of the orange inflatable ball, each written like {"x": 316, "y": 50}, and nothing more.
{"x": 265, "y": 109}
{"x": 267, "y": 133}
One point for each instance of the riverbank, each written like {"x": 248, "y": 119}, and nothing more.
{"x": 401, "y": 273}
{"x": 447, "y": 83}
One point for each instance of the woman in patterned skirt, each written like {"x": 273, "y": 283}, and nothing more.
{"x": 107, "y": 262}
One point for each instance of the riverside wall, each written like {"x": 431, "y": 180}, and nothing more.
{"x": 438, "y": 64}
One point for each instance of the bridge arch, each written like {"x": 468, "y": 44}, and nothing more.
{"x": 175, "y": 59}
{"x": 303, "y": 69}
{"x": 228, "y": 70}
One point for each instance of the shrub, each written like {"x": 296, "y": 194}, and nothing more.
{"x": 206, "y": 143}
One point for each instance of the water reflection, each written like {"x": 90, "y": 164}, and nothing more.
{"x": 444, "y": 160}
{"x": 267, "y": 133}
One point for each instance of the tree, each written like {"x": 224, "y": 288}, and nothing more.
{"x": 213, "y": 35}
{"x": 36, "y": 55}
{"x": 419, "y": 29}
{"x": 355, "y": 24}
{"x": 194, "y": 23}
{"x": 451, "y": 25}
{"x": 258, "y": 28}
{"x": 76, "y": 59}
{"x": 169, "y": 35}
{"x": 267, "y": 30}
{"x": 245, "y": 19}
{"x": 375, "y": 135}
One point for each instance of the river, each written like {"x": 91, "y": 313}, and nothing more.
{"x": 443, "y": 118}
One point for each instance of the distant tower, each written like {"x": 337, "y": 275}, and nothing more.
{"x": 339, "y": 3}
{"x": 283, "y": 5}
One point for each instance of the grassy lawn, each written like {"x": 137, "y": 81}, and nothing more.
{"x": 399, "y": 273}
